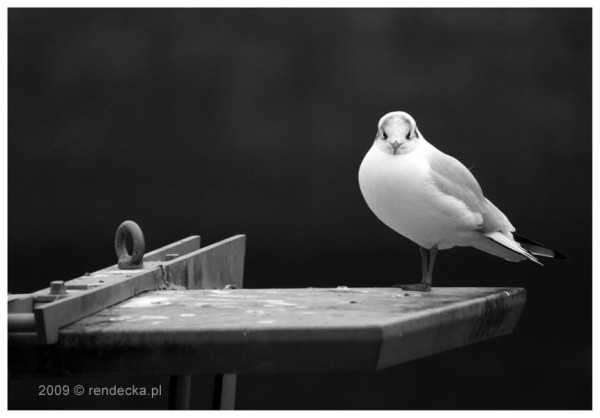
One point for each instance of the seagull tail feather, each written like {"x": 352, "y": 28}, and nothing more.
{"x": 536, "y": 248}
{"x": 510, "y": 244}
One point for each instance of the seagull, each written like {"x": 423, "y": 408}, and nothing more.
{"x": 433, "y": 200}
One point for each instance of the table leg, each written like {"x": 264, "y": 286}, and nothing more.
{"x": 224, "y": 391}
{"x": 179, "y": 391}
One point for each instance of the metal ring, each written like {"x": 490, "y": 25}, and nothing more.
{"x": 130, "y": 261}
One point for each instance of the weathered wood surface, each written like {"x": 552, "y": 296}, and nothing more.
{"x": 270, "y": 330}
{"x": 214, "y": 266}
{"x": 114, "y": 285}
{"x": 210, "y": 266}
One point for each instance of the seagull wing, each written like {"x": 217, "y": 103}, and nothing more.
{"x": 451, "y": 177}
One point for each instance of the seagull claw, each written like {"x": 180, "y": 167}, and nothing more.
{"x": 419, "y": 287}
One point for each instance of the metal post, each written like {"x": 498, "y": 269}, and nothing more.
{"x": 224, "y": 391}
{"x": 179, "y": 391}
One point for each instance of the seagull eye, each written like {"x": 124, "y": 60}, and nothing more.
{"x": 383, "y": 135}
{"x": 415, "y": 134}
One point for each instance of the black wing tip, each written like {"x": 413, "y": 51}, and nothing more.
{"x": 523, "y": 240}
{"x": 560, "y": 256}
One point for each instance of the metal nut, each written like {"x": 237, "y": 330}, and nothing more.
{"x": 58, "y": 287}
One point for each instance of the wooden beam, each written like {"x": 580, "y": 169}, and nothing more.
{"x": 185, "y": 246}
{"x": 212, "y": 265}
{"x": 20, "y": 303}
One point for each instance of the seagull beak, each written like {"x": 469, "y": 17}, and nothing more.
{"x": 395, "y": 145}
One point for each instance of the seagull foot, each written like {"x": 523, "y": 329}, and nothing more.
{"x": 419, "y": 287}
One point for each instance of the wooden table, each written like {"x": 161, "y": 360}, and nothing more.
{"x": 115, "y": 321}
{"x": 230, "y": 331}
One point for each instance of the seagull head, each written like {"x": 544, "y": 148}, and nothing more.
{"x": 397, "y": 133}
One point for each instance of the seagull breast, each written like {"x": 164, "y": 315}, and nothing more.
{"x": 401, "y": 192}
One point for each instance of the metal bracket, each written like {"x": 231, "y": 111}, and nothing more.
{"x": 181, "y": 265}
{"x": 130, "y": 261}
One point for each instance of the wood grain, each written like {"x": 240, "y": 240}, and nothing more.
{"x": 211, "y": 265}
{"x": 270, "y": 330}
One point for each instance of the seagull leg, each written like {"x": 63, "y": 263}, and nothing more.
{"x": 427, "y": 260}
{"x": 432, "y": 254}
{"x": 424, "y": 262}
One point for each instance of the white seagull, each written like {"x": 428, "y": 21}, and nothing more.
{"x": 433, "y": 200}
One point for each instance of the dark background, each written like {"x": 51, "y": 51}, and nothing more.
{"x": 219, "y": 122}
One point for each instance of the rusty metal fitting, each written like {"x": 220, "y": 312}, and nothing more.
{"x": 130, "y": 261}
{"x": 58, "y": 288}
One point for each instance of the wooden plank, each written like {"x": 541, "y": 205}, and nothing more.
{"x": 14, "y": 297}
{"x": 212, "y": 267}
{"x": 209, "y": 263}
{"x": 271, "y": 330}
{"x": 185, "y": 246}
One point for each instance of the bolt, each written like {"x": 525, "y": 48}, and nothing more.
{"x": 58, "y": 287}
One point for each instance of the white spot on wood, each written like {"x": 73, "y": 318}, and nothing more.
{"x": 120, "y": 318}
{"x": 187, "y": 314}
{"x": 347, "y": 289}
{"x": 143, "y": 302}
{"x": 255, "y": 312}
{"x": 227, "y": 293}
{"x": 153, "y": 317}
{"x": 266, "y": 322}
{"x": 278, "y": 302}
